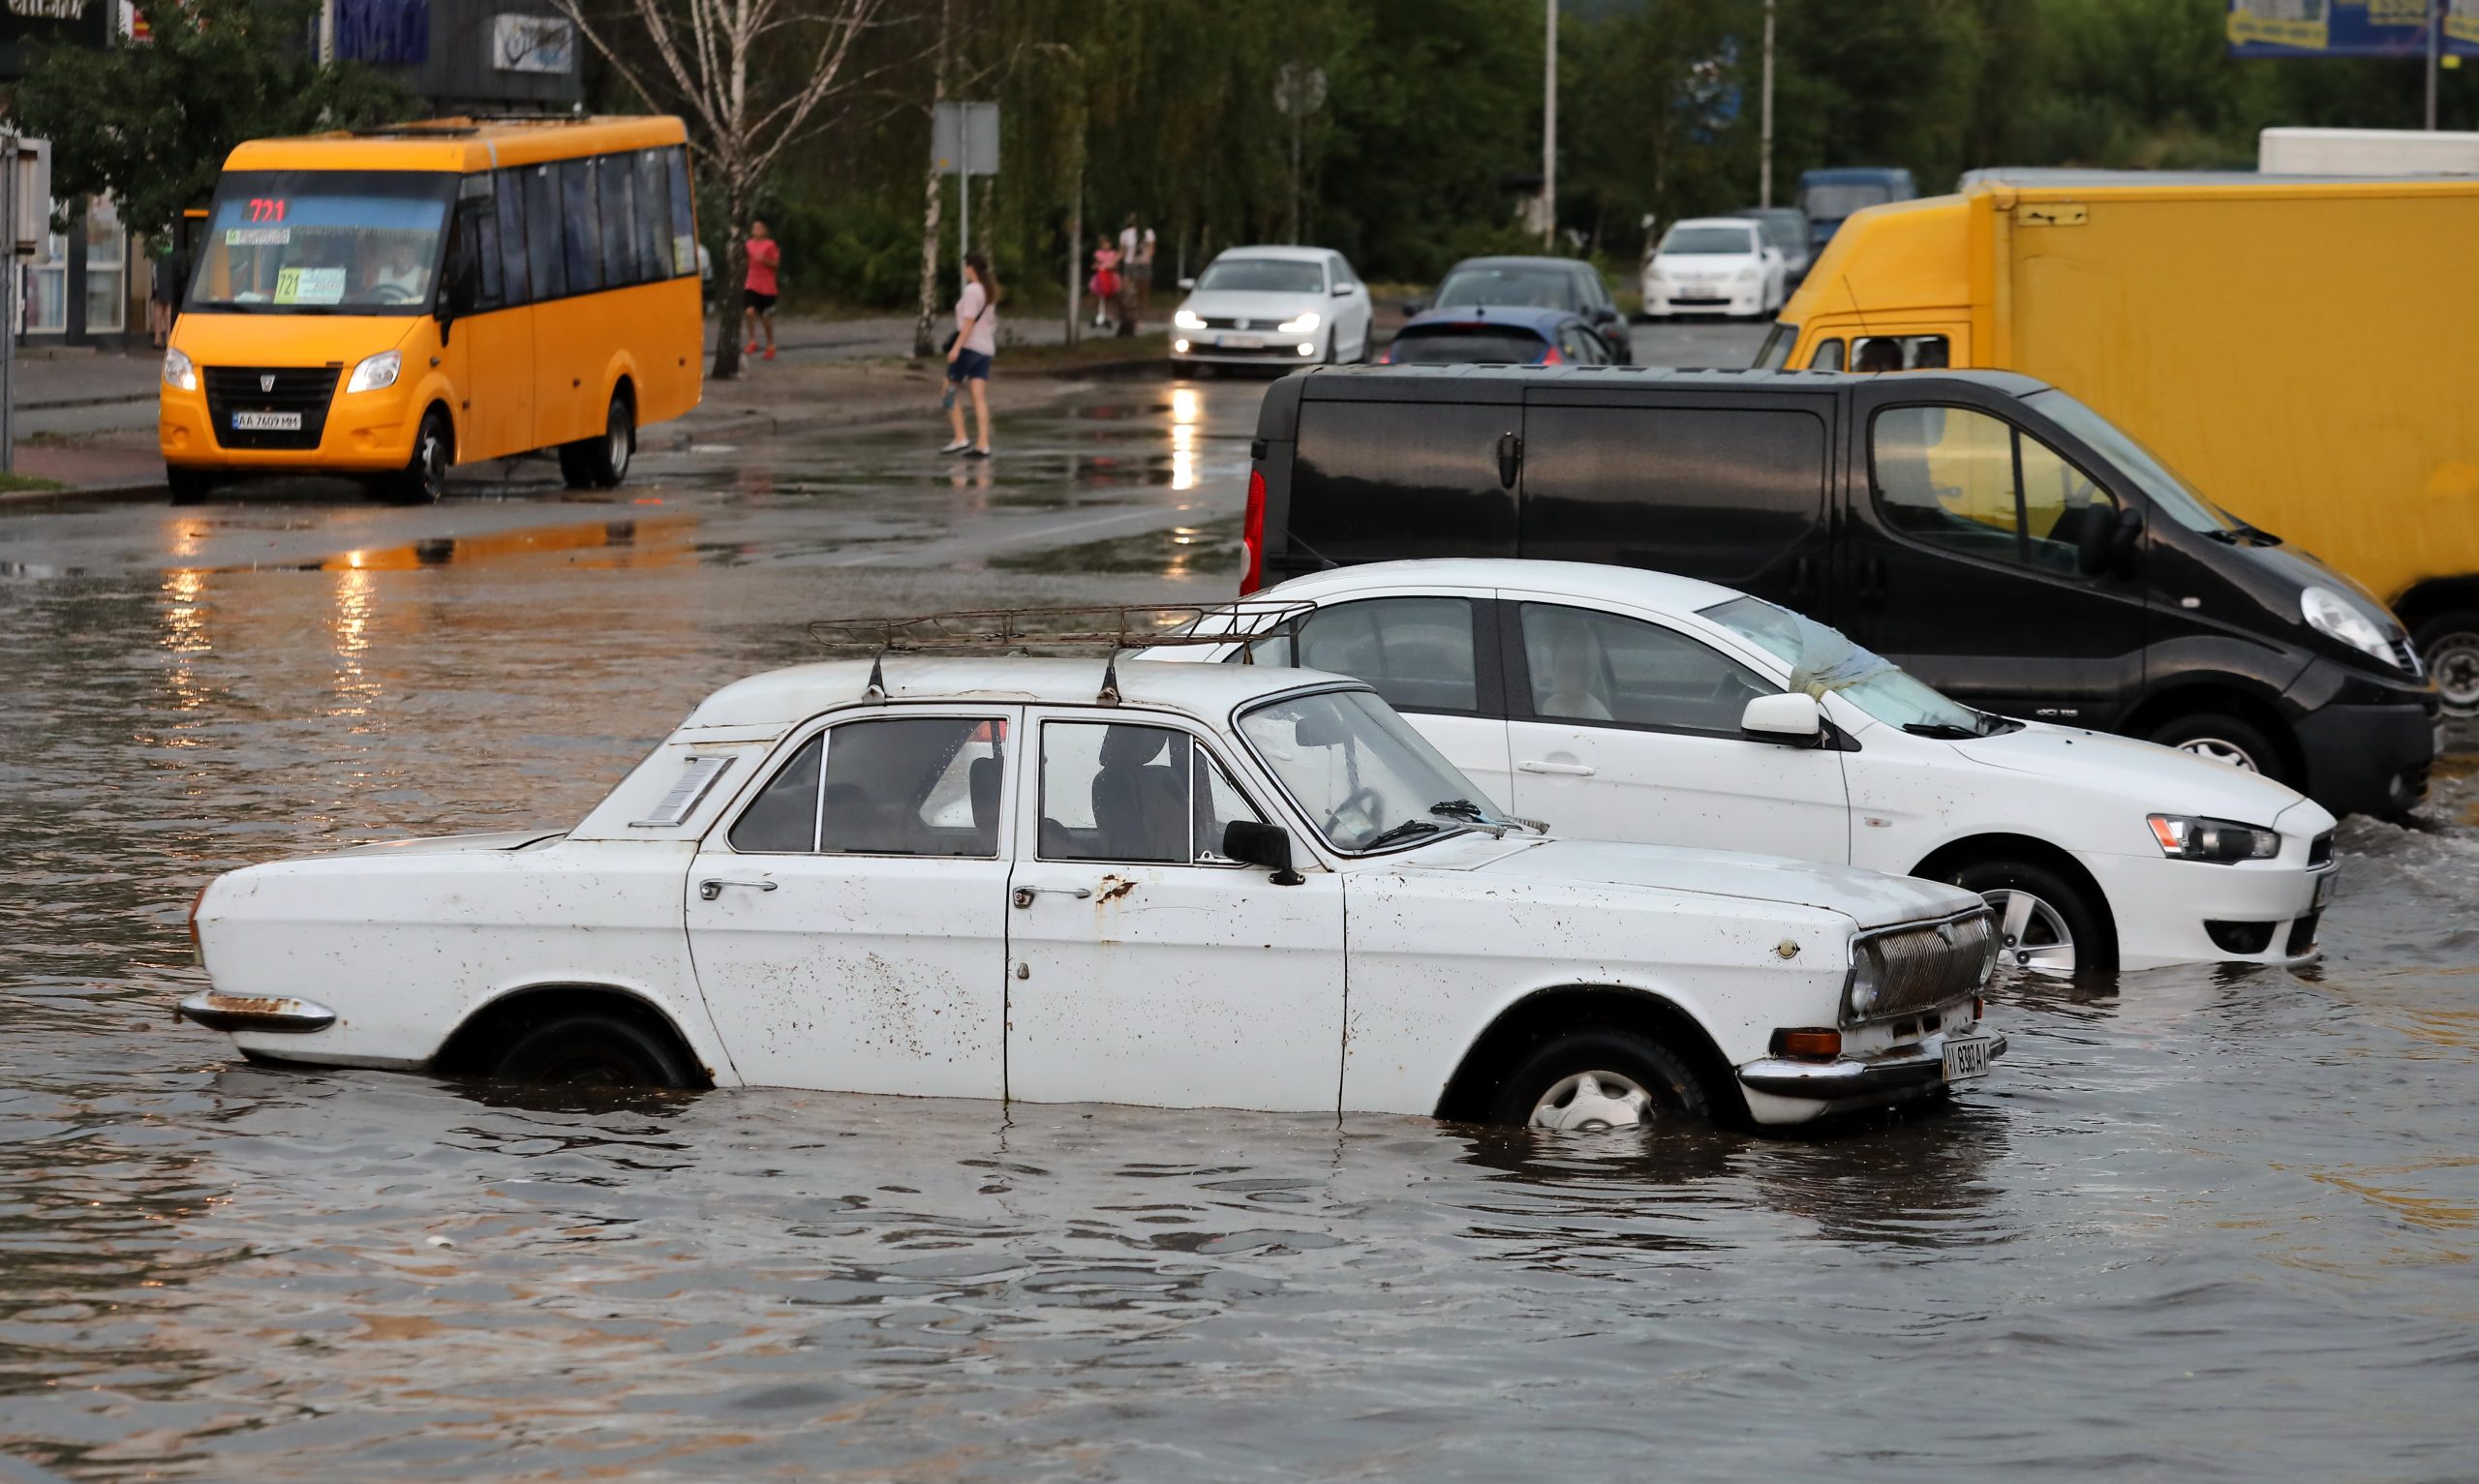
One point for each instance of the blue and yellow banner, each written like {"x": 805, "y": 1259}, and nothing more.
{"x": 2350, "y": 28}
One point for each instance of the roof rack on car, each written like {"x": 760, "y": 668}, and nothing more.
{"x": 1110, "y": 627}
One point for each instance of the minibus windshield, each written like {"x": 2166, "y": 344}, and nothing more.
{"x": 323, "y": 242}
{"x": 2175, "y": 497}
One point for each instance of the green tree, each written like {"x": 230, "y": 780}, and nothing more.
{"x": 149, "y": 123}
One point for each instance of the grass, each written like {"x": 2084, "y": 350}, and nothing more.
{"x": 13, "y": 484}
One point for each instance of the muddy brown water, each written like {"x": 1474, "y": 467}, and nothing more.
{"x": 2201, "y": 1224}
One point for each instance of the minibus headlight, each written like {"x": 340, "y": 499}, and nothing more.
{"x": 178, "y": 373}
{"x": 377, "y": 374}
{"x": 2336, "y": 617}
{"x": 1188, "y": 319}
{"x": 2187, "y": 837}
{"x": 1300, "y": 326}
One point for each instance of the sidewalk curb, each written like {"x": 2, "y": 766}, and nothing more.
{"x": 86, "y": 494}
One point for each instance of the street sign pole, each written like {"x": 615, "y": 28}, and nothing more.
{"x": 964, "y": 142}
{"x": 8, "y": 147}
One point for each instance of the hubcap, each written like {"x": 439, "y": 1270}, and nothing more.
{"x": 1593, "y": 1101}
{"x": 2221, "y": 750}
{"x": 2034, "y": 936}
{"x": 2455, "y": 661}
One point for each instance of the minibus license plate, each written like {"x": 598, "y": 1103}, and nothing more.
{"x": 266, "y": 422}
{"x": 1966, "y": 1060}
{"x": 1244, "y": 342}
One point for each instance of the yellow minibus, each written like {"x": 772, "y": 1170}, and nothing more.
{"x": 387, "y": 304}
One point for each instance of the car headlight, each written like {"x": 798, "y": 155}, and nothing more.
{"x": 1865, "y": 990}
{"x": 1300, "y": 326}
{"x": 376, "y": 373}
{"x": 1188, "y": 319}
{"x": 2193, "y": 837}
{"x": 178, "y": 373}
{"x": 2336, "y": 617}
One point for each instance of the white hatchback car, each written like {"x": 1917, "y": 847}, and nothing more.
{"x": 1627, "y": 704}
{"x": 1207, "y": 886}
{"x": 1273, "y": 306}
{"x": 1714, "y": 265}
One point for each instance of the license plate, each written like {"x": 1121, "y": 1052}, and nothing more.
{"x": 1966, "y": 1060}
{"x": 1243, "y": 341}
{"x": 2324, "y": 889}
{"x": 266, "y": 422}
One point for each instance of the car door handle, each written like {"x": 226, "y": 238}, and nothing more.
{"x": 713, "y": 887}
{"x": 1573, "y": 769}
{"x": 1024, "y": 894}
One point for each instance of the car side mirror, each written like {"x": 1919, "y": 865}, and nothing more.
{"x": 1605, "y": 315}
{"x": 1413, "y": 307}
{"x": 1792, "y": 717}
{"x": 1342, "y": 291}
{"x": 1187, "y": 284}
{"x": 1251, "y": 842}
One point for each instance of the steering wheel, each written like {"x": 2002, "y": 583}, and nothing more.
{"x": 392, "y": 293}
{"x": 1364, "y": 798}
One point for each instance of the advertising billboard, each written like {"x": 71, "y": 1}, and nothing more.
{"x": 2350, "y": 28}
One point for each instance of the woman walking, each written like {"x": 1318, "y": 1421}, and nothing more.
{"x": 969, "y": 353}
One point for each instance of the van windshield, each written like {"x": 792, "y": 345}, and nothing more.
{"x": 323, "y": 242}
{"x": 2174, "y": 497}
{"x": 1823, "y": 659}
{"x": 1775, "y": 352}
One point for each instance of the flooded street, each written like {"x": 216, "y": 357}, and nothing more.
{"x": 2201, "y": 1224}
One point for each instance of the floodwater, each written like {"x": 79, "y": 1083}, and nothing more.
{"x": 2200, "y": 1225}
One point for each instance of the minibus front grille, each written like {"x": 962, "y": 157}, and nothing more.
{"x": 303, "y": 389}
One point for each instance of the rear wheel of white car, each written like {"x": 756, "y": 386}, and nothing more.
{"x": 1593, "y": 1080}
{"x": 586, "y": 1048}
{"x": 2045, "y": 924}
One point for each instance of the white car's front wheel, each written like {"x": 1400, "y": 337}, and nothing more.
{"x": 1594, "y": 1080}
{"x": 2045, "y": 923}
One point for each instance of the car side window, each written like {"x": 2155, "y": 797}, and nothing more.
{"x": 1599, "y": 667}
{"x": 889, "y": 786}
{"x": 1975, "y": 484}
{"x": 1115, "y": 791}
{"x": 1418, "y": 651}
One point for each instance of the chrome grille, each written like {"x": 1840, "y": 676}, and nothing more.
{"x": 1933, "y": 964}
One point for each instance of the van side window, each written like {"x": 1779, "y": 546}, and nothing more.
{"x": 1971, "y": 483}
{"x": 1417, "y": 650}
{"x": 1598, "y": 667}
{"x": 1375, "y": 481}
{"x": 1828, "y": 357}
{"x": 545, "y": 249}
{"x": 1901, "y": 352}
{"x": 1726, "y": 494}
{"x": 511, "y": 200}
{"x": 584, "y": 226}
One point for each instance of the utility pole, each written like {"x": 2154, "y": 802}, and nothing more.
{"x": 1549, "y": 131}
{"x": 10, "y": 274}
{"x": 2435, "y": 30}
{"x": 1765, "y": 125}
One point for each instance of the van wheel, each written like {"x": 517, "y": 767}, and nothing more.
{"x": 2045, "y": 924}
{"x": 587, "y": 1049}
{"x": 424, "y": 477}
{"x": 2225, "y": 739}
{"x": 2449, "y": 644}
{"x": 1600, "y": 1080}
{"x": 190, "y": 486}
{"x": 600, "y": 462}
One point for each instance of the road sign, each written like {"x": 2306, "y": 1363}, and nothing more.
{"x": 964, "y": 138}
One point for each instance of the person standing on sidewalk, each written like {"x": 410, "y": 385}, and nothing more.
{"x": 1145, "y": 274}
{"x": 1131, "y": 239}
{"x": 1105, "y": 283}
{"x": 969, "y": 354}
{"x": 757, "y": 293}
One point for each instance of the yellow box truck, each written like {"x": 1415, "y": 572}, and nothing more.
{"x": 2305, "y": 352}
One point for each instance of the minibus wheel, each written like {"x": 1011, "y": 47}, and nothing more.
{"x": 600, "y": 462}
{"x": 2449, "y": 646}
{"x": 425, "y": 476}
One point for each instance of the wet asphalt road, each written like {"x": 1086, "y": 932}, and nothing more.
{"x": 2202, "y": 1225}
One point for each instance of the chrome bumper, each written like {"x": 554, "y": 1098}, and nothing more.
{"x": 1897, "y": 1071}
{"x": 255, "y": 1013}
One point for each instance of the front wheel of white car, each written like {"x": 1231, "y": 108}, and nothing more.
{"x": 2045, "y": 923}
{"x": 1594, "y": 1080}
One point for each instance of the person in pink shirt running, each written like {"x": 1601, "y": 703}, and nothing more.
{"x": 757, "y": 293}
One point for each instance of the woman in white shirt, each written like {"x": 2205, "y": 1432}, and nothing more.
{"x": 969, "y": 353}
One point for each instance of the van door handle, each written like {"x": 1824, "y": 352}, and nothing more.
{"x": 712, "y": 887}
{"x": 1569, "y": 770}
{"x": 1802, "y": 576}
{"x": 1024, "y": 894}
{"x": 1509, "y": 458}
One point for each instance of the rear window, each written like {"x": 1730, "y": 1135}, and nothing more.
{"x": 1529, "y": 285}
{"x": 1458, "y": 344}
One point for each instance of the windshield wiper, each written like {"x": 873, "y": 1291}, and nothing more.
{"x": 1402, "y": 831}
{"x": 1943, "y": 731}
{"x": 1480, "y": 817}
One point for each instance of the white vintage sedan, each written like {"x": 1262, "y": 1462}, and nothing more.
{"x": 1627, "y": 704}
{"x": 1216, "y": 886}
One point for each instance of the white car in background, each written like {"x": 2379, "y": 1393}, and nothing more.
{"x": 1273, "y": 306}
{"x": 1627, "y": 704}
{"x": 1714, "y": 265}
{"x": 1037, "y": 879}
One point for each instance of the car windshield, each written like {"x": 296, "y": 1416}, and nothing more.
{"x": 1261, "y": 275}
{"x": 1525, "y": 284}
{"x": 1822, "y": 659}
{"x": 1705, "y": 241}
{"x": 1832, "y": 203}
{"x": 312, "y": 242}
{"x": 1361, "y": 771}
{"x": 2172, "y": 496}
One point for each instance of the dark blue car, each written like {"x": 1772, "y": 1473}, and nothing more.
{"x": 1498, "y": 335}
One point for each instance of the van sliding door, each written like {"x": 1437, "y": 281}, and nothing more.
{"x": 1377, "y": 480}
{"x": 1731, "y": 491}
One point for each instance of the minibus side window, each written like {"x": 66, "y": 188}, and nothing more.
{"x": 512, "y": 199}
{"x": 583, "y": 225}
{"x": 544, "y": 250}
{"x": 654, "y": 216}
{"x": 477, "y": 234}
{"x": 617, "y": 184}
{"x": 683, "y": 212}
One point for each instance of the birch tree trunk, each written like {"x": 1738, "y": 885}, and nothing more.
{"x": 934, "y": 195}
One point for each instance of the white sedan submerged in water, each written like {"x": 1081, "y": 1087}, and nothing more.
{"x": 1198, "y": 886}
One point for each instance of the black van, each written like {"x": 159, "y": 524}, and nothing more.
{"x": 1983, "y": 529}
